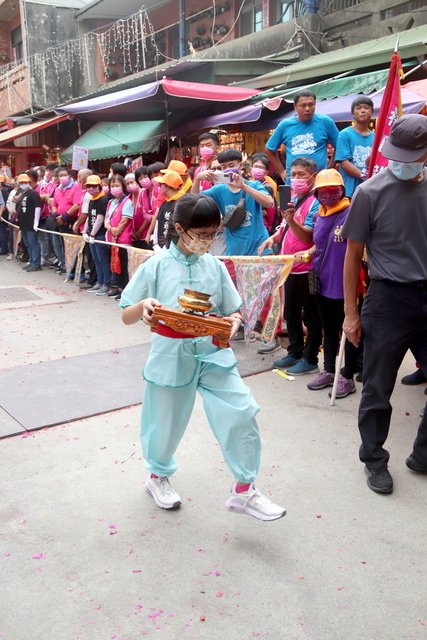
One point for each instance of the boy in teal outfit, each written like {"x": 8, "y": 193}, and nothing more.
{"x": 178, "y": 367}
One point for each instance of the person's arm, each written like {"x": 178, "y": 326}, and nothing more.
{"x": 203, "y": 175}
{"x": 261, "y": 196}
{"x": 124, "y": 221}
{"x": 351, "y": 169}
{"x": 269, "y": 243}
{"x": 333, "y": 134}
{"x": 302, "y": 233}
{"x": 353, "y": 256}
{"x": 143, "y": 309}
{"x": 99, "y": 221}
{"x": 37, "y": 211}
{"x": 276, "y": 163}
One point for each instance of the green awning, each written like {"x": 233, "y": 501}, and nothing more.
{"x": 117, "y": 139}
{"x": 412, "y": 44}
{"x": 363, "y": 83}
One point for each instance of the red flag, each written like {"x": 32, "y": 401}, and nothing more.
{"x": 390, "y": 111}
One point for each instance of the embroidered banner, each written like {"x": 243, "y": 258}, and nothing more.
{"x": 257, "y": 278}
{"x": 73, "y": 245}
{"x": 135, "y": 258}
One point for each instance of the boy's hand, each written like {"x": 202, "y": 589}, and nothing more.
{"x": 147, "y": 307}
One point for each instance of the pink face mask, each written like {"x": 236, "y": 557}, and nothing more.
{"x": 132, "y": 187}
{"x": 300, "y": 186}
{"x": 258, "y": 173}
{"x": 106, "y": 190}
{"x": 206, "y": 153}
{"x": 64, "y": 180}
{"x": 116, "y": 192}
{"x": 145, "y": 183}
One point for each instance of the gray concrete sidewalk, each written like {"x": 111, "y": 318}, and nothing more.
{"x": 86, "y": 555}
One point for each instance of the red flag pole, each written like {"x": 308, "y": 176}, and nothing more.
{"x": 390, "y": 110}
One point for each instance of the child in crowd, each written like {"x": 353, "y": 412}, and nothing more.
{"x": 118, "y": 222}
{"x": 179, "y": 365}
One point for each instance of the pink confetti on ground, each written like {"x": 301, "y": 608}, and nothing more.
{"x": 202, "y": 618}
{"x": 38, "y": 556}
{"x": 219, "y": 594}
{"x": 340, "y": 588}
{"x": 136, "y": 570}
{"x": 155, "y": 614}
{"x": 201, "y": 550}
{"x": 7, "y": 554}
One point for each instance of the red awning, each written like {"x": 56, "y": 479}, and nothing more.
{"x": 27, "y": 129}
{"x": 201, "y": 91}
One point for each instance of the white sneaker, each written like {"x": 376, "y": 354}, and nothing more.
{"x": 254, "y": 503}
{"x": 162, "y": 493}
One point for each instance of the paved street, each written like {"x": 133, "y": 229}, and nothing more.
{"x": 86, "y": 555}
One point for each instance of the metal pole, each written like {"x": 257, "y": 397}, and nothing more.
{"x": 181, "y": 29}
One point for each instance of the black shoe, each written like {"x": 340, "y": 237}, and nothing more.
{"x": 413, "y": 465}
{"x": 379, "y": 480}
{"x": 414, "y": 378}
{"x": 359, "y": 377}
{"x": 32, "y": 268}
{"x": 113, "y": 292}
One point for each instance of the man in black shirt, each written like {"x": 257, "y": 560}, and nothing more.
{"x": 28, "y": 209}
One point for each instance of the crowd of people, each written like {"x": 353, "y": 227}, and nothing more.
{"x": 325, "y": 172}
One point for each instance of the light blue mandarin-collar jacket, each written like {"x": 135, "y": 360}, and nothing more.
{"x": 174, "y": 362}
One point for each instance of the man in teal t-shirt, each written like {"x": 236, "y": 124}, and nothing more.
{"x": 305, "y": 134}
{"x": 354, "y": 145}
{"x": 245, "y": 239}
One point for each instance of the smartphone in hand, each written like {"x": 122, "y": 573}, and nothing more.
{"x": 284, "y": 196}
{"x": 221, "y": 177}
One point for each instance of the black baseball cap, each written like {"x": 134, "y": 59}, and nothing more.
{"x": 407, "y": 141}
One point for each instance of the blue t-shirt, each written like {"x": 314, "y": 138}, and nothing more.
{"x": 245, "y": 240}
{"x": 307, "y": 139}
{"x": 356, "y": 148}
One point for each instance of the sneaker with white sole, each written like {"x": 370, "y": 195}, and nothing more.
{"x": 269, "y": 346}
{"x": 302, "y": 367}
{"x": 103, "y": 290}
{"x": 96, "y": 287}
{"x": 253, "y": 503}
{"x": 162, "y": 493}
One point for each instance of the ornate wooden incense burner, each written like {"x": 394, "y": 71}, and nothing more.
{"x": 192, "y": 321}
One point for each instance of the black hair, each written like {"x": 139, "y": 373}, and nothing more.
{"x": 361, "y": 100}
{"x": 70, "y": 173}
{"x": 229, "y": 154}
{"x": 119, "y": 168}
{"x": 156, "y": 167}
{"x": 141, "y": 171}
{"x": 118, "y": 178}
{"x": 303, "y": 161}
{"x": 261, "y": 157}
{"x": 193, "y": 211}
{"x": 209, "y": 136}
{"x": 304, "y": 94}
{"x": 51, "y": 166}
{"x": 32, "y": 173}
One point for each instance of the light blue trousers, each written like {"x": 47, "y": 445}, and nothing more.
{"x": 230, "y": 409}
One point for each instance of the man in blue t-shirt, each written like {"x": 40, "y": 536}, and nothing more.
{"x": 354, "y": 145}
{"x": 251, "y": 195}
{"x": 306, "y": 134}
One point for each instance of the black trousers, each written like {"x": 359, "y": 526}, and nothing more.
{"x": 301, "y": 307}
{"x": 331, "y": 312}
{"x": 394, "y": 318}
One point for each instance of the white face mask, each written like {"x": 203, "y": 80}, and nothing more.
{"x": 24, "y": 186}
{"x": 405, "y": 170}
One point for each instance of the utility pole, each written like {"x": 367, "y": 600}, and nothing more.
{"x": 181, "y": 33}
